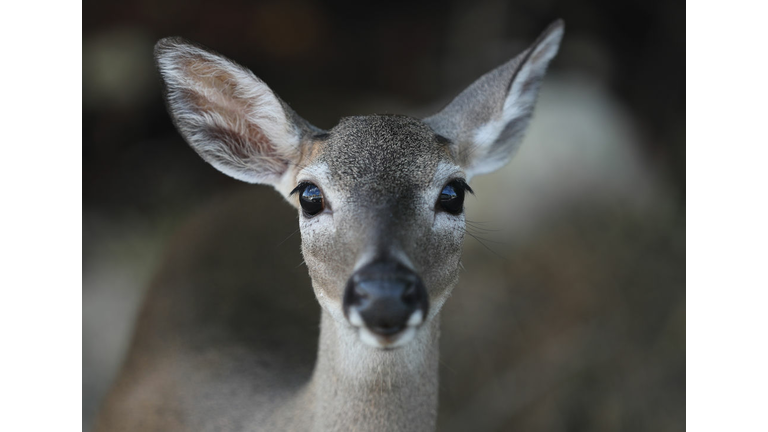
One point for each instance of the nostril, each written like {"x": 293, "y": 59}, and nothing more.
{"x": 360, "y": 294}
{"x": 409, "y": 295}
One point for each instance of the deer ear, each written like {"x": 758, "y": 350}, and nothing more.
{"x": 486, "y": 122}
{"x": 230, "y": 117}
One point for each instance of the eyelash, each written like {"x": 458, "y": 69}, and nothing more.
{"x": 463, "y": 184}
{"x": 298, "y": 188}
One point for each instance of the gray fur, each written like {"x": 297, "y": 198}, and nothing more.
{"x": 206, "y": 356}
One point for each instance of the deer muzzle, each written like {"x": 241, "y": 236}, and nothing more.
{"x": 386, "y": 298}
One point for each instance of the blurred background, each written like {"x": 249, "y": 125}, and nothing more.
{"x": 570, "y": 314}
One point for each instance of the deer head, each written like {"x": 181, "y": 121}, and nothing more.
{"x": 381, "y": 197}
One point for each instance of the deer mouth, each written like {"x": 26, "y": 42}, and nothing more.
{"x": 386, "y": 337}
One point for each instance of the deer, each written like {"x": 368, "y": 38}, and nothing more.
{"x": 380, "y": 201}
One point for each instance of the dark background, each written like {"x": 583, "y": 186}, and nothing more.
{"x": 575, "y": 322}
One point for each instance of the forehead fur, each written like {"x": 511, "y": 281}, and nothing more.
{"x": 391, "y": 152}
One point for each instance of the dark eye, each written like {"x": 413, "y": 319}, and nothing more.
{"x": 452, "y": 197}
{"x": 310, "y": 198}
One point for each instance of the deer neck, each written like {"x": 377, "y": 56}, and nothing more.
{"x": 357, "y": 387}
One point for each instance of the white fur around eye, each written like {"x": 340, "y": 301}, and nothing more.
{"x": 448, "y": 223}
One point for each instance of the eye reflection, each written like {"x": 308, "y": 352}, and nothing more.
{"x": 310, "y": 198}
{"x": 452, "y": 197}
{"x": 448, "y": 193}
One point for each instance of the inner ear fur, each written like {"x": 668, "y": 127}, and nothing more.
{"x": 230, "y": 117}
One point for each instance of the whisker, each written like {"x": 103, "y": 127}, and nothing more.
{"x": 498, "y": 255}
{"x": 291, "y": 235}
{"x": 478, "y": 236}
{"x": 483, "y": 228}
{"x": 450, "y": 369}
{"x": 477, "y": 222}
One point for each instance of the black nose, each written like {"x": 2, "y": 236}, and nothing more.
{"x": 385, "y": 294}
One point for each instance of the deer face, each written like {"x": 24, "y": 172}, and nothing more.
{"x": 380, "y": 197}
{"x": 382, "y": 224}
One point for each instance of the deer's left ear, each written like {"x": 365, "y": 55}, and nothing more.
{"x": 486, "y": 122}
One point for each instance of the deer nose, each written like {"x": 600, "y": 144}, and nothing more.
{"x": 387, "y": 297}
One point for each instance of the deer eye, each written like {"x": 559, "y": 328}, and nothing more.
{"x": 310, "y": 198}
{"x": 452, "y": 197}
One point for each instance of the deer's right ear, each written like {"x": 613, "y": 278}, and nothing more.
{"x": 486, "y": 122}
{"x": 230, "y": 117}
